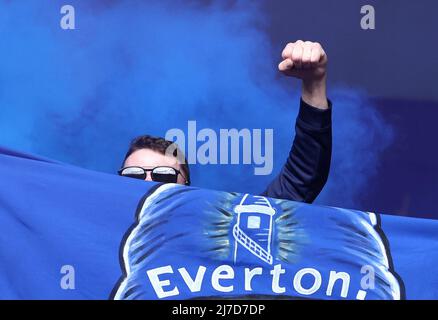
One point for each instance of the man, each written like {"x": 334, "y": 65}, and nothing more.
{"x": 307, "y": 167}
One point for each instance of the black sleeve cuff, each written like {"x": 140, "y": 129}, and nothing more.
{"x": 314, "y": 117}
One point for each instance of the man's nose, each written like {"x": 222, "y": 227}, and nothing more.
{"x": 148, "y": 176}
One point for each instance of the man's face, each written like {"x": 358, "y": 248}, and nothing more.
{"x": 149, "y": 159}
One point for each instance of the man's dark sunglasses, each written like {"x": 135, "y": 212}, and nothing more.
{"x": 158, "y": 174}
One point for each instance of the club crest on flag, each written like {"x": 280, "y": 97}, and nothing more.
{"x": 253, "y": 229}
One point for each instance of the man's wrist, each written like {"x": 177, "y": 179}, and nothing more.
{"x": 314, "y": 93}
{"x": 315, "y": 118}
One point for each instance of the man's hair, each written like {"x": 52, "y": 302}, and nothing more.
{"x": 161, "y": 146}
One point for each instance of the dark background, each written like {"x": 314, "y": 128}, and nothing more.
{"x": 398, "y": 65}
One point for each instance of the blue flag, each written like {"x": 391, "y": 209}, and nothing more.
{"x": 71, "y": 233}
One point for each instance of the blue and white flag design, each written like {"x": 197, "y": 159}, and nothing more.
{"x": 260, "y": 246}
{"x": 123, "y": 238}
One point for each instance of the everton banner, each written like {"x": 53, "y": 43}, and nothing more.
{"x": 71, "y": 233}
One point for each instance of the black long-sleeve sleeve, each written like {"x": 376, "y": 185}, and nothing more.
{"x": 307, "y": 167}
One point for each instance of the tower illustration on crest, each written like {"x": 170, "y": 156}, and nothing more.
{"x": 253, "y": 230}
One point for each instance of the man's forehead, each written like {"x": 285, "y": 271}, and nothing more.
{"x": 150, "y": 158}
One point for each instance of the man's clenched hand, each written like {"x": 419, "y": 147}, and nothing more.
{"x": 307, "y": 61}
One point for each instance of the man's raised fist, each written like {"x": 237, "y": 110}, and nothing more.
{"x": 304, "y": 60}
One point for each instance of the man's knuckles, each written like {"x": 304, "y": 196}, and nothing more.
{"x": 302, "y": 55}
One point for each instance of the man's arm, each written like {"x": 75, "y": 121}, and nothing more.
{"x": 307, "y": 167}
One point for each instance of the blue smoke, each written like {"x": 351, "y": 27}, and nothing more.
{"x": 138, "y": 67}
